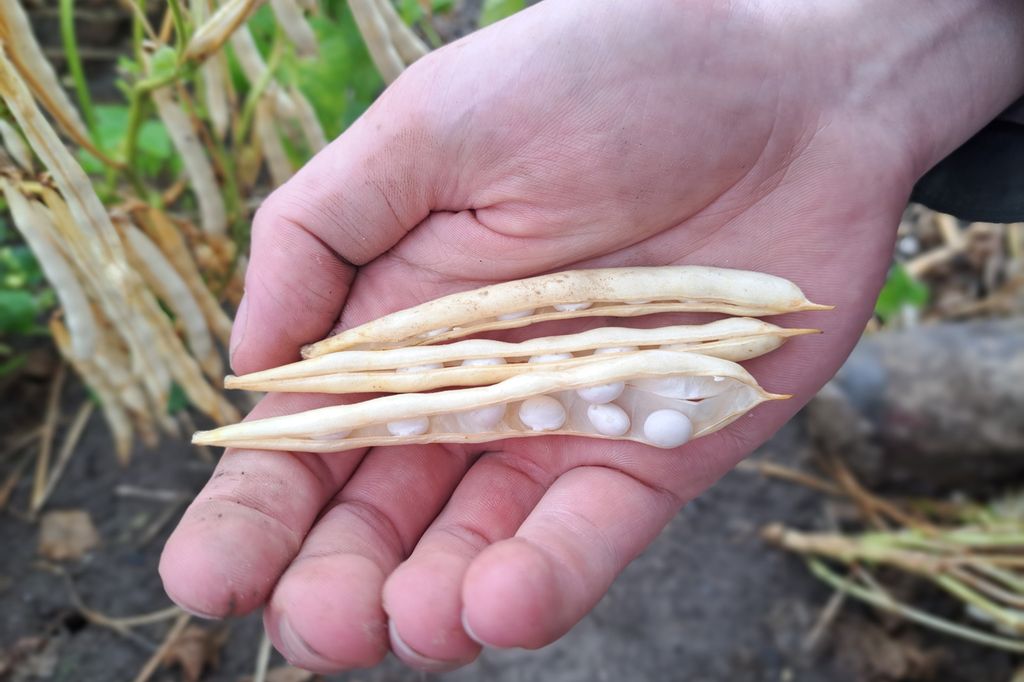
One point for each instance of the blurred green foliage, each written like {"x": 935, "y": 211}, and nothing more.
{"x": 24, "y": 297}
{"x": 496, "y": 10}
{"x": 156, "y": 155}
{"x": 340, "y": 84}
{"x": 900, "y": 290}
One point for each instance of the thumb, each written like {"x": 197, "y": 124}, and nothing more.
{"x": 353, "y": 201}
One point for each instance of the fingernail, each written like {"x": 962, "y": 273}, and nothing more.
{"x": 238, "y": 327}
{"x": 293, "y": 647}
{"x": 416, "y": 659}
{"x": 472, "y": 635}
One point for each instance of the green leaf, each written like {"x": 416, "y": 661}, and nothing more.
{"x": 163, "y": 63}
{"x": 18, "y": 267}
{"x": 17, "y": 312}
{"x": 496, "y": 10}
{"x": 176, "y": 399}
{"x": 900, "y": 290}
{"x": 155, "y": 151}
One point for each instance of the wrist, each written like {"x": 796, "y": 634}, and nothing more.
{"x": 921, "y": 76}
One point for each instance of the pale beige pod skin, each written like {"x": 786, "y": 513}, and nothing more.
{"x": 724, "y": 392}
{"x": 381, "y": 371}
{"x": 605, "y": 292}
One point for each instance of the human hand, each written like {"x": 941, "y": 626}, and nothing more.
{"x": 575, "y": 134}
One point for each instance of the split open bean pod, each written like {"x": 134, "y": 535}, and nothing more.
{"x": 662, "y": 386}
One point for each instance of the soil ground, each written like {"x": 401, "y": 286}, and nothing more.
{"x": 707, "y": 602}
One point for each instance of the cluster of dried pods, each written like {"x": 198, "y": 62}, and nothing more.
{"x": 661, "y": 387}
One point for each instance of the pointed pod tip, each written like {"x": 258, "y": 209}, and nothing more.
{"x": 780, "y": 396}
{"x": 204, "y": 438}
{"x": 809, "y": 306}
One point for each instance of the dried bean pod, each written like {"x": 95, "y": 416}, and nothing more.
{"x": 209, "y": 37}
{"x": 684, "y": 288}
{"x": 374, "y": 30}
{"x": 477, "y": 362}
{"x": 15, "y": 145}
{"x": 212, "y": 213}
{"x": 35, "y": 224}
{"x": 406, "y": 42}
{"x": 175, "y": 293}
{"x": 451, "y": 414}
{"x": 36, "y": 69}
{"x": 293, "y": 23}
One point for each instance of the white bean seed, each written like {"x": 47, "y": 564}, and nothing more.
{"x": 483, "y": 362}
{"x": 516, "y": 315}
{"x": 550, "y": 357}
{"x": 416, "y": 426}
{"x": 602, "y": 393}
{"x": 571, "y": 307}
{"x": 615, "y": 349}
{"x": 337, "y": 435}
{"x": 416, "y": 369}
{"x": 542, "y": 413}
{"x": 484, "y": 419}
{"x": 667, "y": 428}
{"x": 609, "y": 419}
{"x": 436, "y": 332}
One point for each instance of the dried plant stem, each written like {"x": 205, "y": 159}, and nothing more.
{"x": 46, "y": 444}
{"x": 64, "y": 456}
{"x": 9, "y": 483}
{"x": 791, "y": 475}
{"x": 262, "y": 659}
{"x": 886, "y": 603}
{"x": 154, "y": 661}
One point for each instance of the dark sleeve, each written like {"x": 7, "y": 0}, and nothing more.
{"x": 983, "y": 180}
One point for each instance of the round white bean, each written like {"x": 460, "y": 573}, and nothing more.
{"x": 416, "y": 369}
{"x": 484, "y": 419}
{"x": 571, "y": 307}
{"x": 416, "y": 426}
{"x": 615, "y": 349}
{"x": 550, "y": 357}
{"x": 337, "y": 435}
{"x": 542, "y": 413}
{"x": 483, "y": 362}
{"x": 516, "y": 315}
{"x": 609, "y": 419}
{"x": 667, "y": 428}
{"x": 602, "y": 393}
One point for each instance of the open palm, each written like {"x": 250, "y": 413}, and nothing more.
{"x": 576, "y": 134}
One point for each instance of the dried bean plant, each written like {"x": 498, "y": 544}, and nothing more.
{"x": 144, "y": 295}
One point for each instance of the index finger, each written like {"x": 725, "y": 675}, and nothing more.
{"x": 353, "y": 201}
